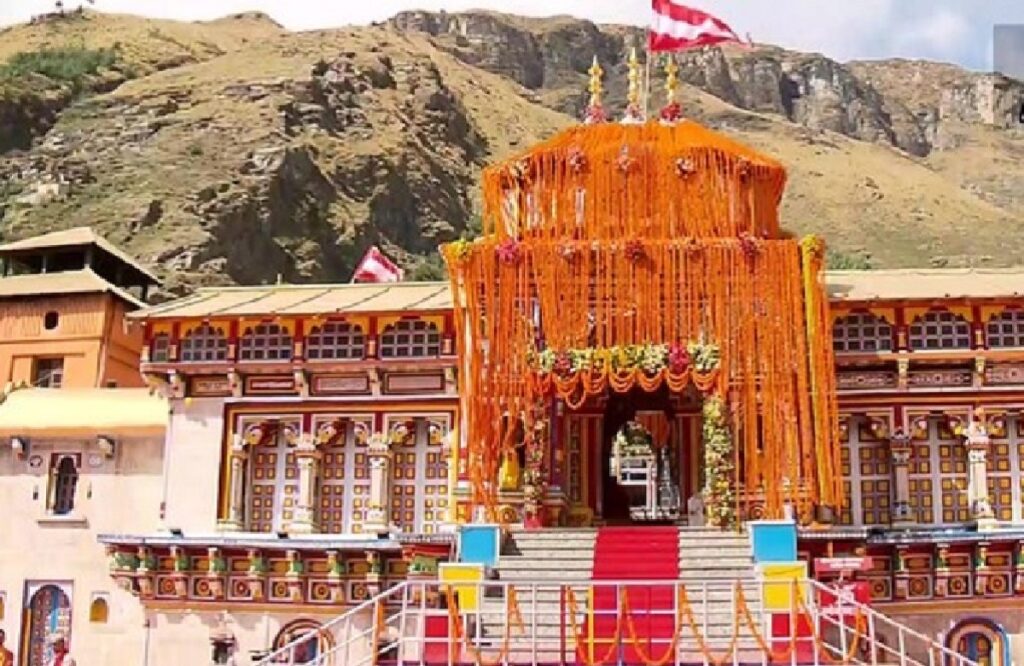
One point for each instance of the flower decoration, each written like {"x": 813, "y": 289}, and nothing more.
{"x": 719, "y": 502}
{"x": 635, "y": 250}
{"x": 692, "y": 245}
{"x": 509, "y": 252}
{"x": 568, "y": 252}
{"x": 743, "y": 169}
{"x": 672, "y": 113}
{"x": 750, "y": 245}
{"x": 595, "y": 114}
{"x": 685, "y": 167}
{"x": 577, "y": 160}
{"x": 678, "y": 358}
{"x": 563, "y": 364}
{"x": 625, "y": 161}
{"x": 704, "y": 356}
{"x": 461, "y": 249}
{"x": 813, "y": 246}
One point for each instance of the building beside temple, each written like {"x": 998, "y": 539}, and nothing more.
{"x": 80, "y": 456}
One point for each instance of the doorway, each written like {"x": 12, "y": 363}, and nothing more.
{"x": 47, "y": 613}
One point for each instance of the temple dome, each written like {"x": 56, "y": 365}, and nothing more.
{"x": 651, "y": 181}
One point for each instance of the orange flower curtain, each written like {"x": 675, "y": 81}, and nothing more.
{"x": 616, "y": 256}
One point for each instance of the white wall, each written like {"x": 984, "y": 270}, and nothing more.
{"x": 195, "y": 435}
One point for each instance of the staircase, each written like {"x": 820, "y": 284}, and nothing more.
{"x": 539, "y": 569}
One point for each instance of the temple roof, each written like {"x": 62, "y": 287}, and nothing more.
{"x": 75, "y": 237}
{"x": 83, "y": 281}
{"x": 923, "y": 283}
{"x": 70, "y": 412}
{"x": 306, "y": 300}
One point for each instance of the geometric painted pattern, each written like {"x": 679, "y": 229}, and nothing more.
{"x": 419, "y": 472}
{"x": 273, "y": 481}
{"x": 345, "y": 478}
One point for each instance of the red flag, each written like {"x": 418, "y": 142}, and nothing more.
{"x": 676, "y": 27}
{"x": 375, "y": 267}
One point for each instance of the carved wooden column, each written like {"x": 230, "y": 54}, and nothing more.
{"x": 307, "y": 457}
{"x": 900, "y": 449}
{"x": 239, "y": 457}
{"x": 977, "y": 473}
{"x": 379, "y": 505}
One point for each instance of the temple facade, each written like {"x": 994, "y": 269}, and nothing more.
{"x": 312, "y": 460}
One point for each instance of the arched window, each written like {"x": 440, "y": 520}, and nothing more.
{"x": 410, "y": 338}
{"x": 65, "y": 480}
{"x": 1006, "y": 329}
{"x": 265, "y": 342}
{"x": 160, "y": 348}
{"x": 318, "y": 641}
{"x": 336, "y": 340}
{"x": 940, "y": 329}
{"x": 981, "y": 641}
{"x": 99, "y": 610}
{"x": 861, "y": 332}
{"x": 204, "y": 344}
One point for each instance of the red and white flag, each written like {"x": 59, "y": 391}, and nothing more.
{"x": 375, "y": 267}
{"x": 676, "y": 27}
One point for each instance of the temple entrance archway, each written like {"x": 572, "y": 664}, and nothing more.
{"x": 673, "y": 422}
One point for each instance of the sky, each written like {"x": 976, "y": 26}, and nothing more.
{"x": 959, "y": 31}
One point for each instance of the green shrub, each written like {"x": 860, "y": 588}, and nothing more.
{"x": 842, "y": 261}
{"x": 71, "y": 64}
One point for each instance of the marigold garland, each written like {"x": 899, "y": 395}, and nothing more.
{"x": 556, "y": 270}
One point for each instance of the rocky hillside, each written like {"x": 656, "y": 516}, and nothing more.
{"x": 235, "y": 151}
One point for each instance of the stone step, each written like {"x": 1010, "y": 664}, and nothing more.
{"x": 559, "y": 562}
{"x": 725, "y": 561}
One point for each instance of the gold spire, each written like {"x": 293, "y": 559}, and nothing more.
{"x": 671, "y": 80}
{"x": 634, "y": 79}
{"x": 596, "y": 87}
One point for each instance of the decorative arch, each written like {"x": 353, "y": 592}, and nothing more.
{"x": 1005, "y": 329}
{"x": 336, "y": 340}
{"x": 266, "y": 341}
{"x": 319, "y": 643}
{"x": 980, "y": 640}
{"x": 48, "y": 613}
{"x": 99, "y": 609}
{"x": 938, "y": 330}
{"x": 862, "y": 332}
{"x": 204, "y": 344}
{"x": 410, "y": 338}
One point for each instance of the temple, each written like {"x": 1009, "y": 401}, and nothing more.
{"x": 639, "y": 421}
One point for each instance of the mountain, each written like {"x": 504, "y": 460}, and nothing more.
{"x": 234, "y": 151}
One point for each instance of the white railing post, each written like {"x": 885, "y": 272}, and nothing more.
{"x": 737, "y": 625}
{"x": 903, "y": 647}
{"x": 704, "y": 620}
{"x": 677, "y": 623}
{"x": 533, "y": 623}
{"x": 872, "y": 640}
{"x": 794, "y": 623}
{"x": 421, "y": 631}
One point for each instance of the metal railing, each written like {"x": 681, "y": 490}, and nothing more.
{"x": 624, "y": 623}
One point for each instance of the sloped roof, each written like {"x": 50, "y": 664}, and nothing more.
{"x": 84, "y": 281}
{"x": 306, "y": 300}
{"x": 75, "y": 237}
{"x": 82, "y": 413}
{"x": 924, "y": 284}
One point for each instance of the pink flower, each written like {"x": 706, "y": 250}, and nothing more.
{"x": 635, "y": 250}
{"x": 509, "y": 252}
{"x": 625, "y": 161}
{"x": 685, "y": 167}
{"x": 568, "y": 252}
{"x": 577, "y": 160}
{"x": 672, "y": 113}
{"x": 678, "y": 358}
{"x": 750, "y": 245}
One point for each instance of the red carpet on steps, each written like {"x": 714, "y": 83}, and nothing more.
{"x": 636, "y": 553}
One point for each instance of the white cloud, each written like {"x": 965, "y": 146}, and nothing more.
{"x": 957, "y": 30}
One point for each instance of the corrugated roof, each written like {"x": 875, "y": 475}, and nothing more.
{"x": 84, "y": 281}
{"x": 924, "y": 284}
{"x": 74, "y": 237}
{"x": 306, "y": 300}
{"x": 82, "y": 413}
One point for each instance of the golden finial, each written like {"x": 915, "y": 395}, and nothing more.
{"x": 596, "y": 87}
{"x": 595, "y": 110}
{"x": 671, "y": 80}
{"x": 634, "y": 79}
{"x": 672, "y": 111}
